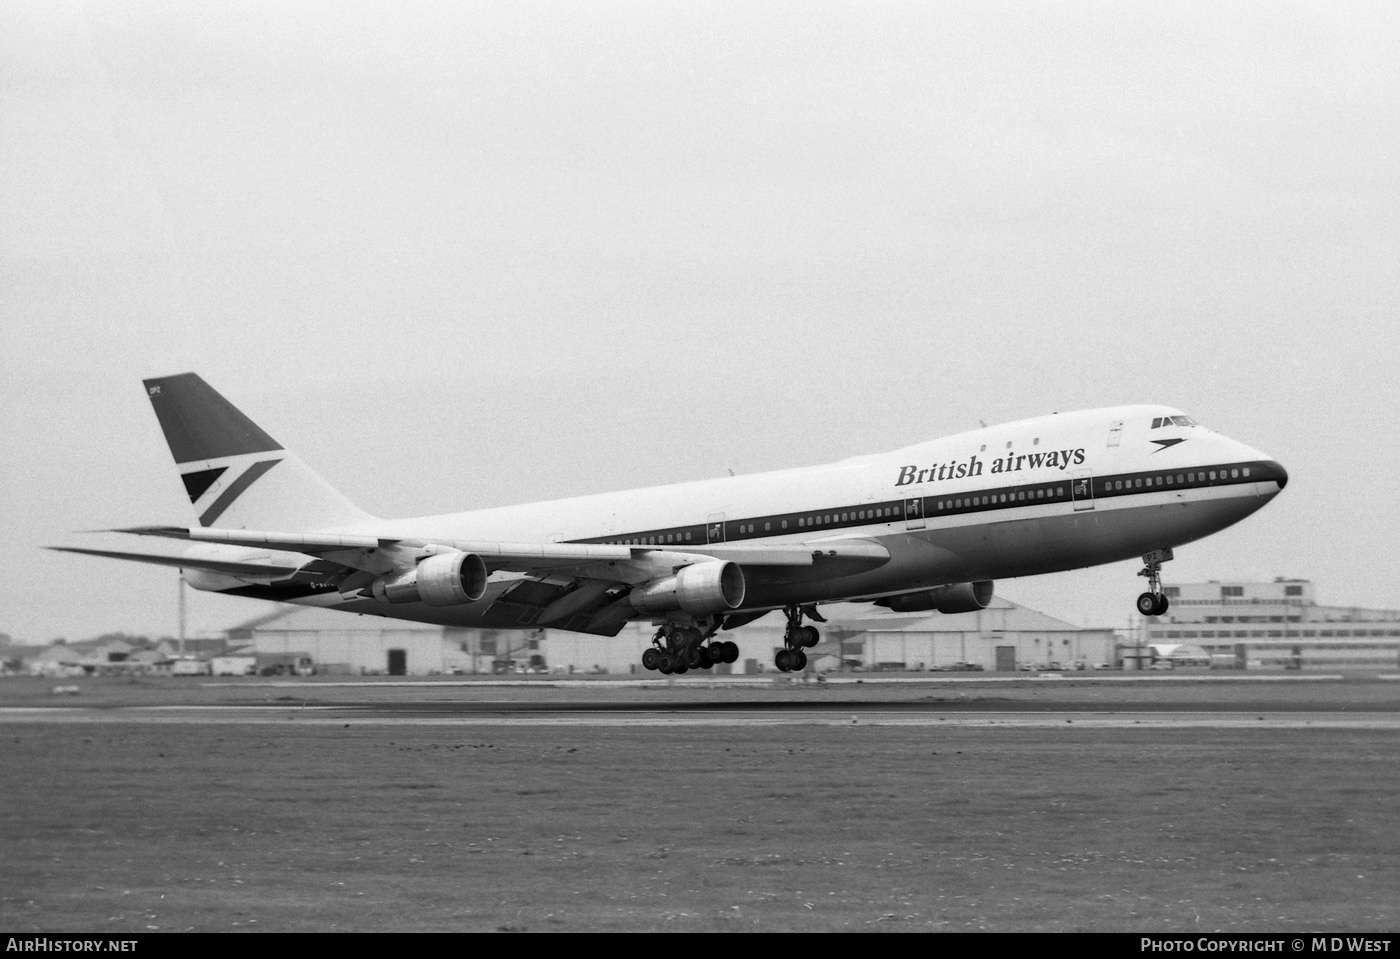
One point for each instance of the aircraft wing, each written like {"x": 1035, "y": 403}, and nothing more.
{"x": 575, "y": 586}
{"x": 532, "y": 557}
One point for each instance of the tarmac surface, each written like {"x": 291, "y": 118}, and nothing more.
{"x": 1188, "y": 701}
{"x": 1153, "y": 804}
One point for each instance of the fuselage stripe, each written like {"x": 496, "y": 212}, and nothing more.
{"x": 1070, "y": 488}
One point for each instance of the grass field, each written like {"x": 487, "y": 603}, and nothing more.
{"x": 118, "y": 826}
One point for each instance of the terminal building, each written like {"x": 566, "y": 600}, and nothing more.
{"x": 1278, "y": 624}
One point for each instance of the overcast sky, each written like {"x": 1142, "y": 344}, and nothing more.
{"x": 472, "y": 254}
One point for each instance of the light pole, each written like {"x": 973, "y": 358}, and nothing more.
{"x": 180, "y": 608}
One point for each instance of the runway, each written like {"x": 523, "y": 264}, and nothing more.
{"x": 515, "y": 712}
{"x": 1089, "y": 702}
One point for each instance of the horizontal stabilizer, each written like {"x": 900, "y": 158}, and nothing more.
{"x": 301, "y": 542}
{"x": 185, "y": 562}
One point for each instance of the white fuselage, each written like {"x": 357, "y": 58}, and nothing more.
{"x": 1037, "y": 496}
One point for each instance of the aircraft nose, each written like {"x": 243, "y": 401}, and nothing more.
{"x": 1273, "y": 470}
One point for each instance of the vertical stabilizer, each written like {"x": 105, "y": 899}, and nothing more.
{"x": 236, "y": 475}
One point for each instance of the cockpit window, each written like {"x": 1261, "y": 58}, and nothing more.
{"x": 1159, "y": 421}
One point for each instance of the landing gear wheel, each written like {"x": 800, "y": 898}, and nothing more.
{"x": 693, "y": 658}
{"x": 782, "y": 660}
{"x": 706, "y": 657}
{"x": 731, "y": 651}
{"x": 1154, "y": 601}
{"x": 1152, "y": 605}
{"x": 797, "y": 661}
{"x": 810, "y": 636}
{"x": 665, "y": 662}
{"x": 680, "y": 668}
{"x": 649, "y": 658}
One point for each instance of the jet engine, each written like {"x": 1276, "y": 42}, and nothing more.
{"x": 444, "y": 579}
{"x": 715, "y": 586}
{"x": 957, "y": 598}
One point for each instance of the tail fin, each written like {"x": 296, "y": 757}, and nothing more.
{"x": 235, "y": 474}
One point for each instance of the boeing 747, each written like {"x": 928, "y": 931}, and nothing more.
{"x": 927, "y": 527}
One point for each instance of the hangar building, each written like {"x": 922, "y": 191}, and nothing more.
{"x": 1005, "y": 636}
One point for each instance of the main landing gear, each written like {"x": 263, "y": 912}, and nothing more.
{"x": 1154, "y": 601}
{"x": 796, "y": 638}
{"x": 679, "y": 649}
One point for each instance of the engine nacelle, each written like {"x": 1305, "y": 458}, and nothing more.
{"x": 701, "y": 589}
{"x": 444, "y": 579}
{"x": 957, "y": 598}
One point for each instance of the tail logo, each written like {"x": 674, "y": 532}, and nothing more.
{"x": 199, "y": 483}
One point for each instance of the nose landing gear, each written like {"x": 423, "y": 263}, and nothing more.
{"x": 1154, "y": 601}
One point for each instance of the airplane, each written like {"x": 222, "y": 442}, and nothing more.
{"x": 925, "y": 527}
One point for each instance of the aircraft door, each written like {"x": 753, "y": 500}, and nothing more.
{"x": 1081, "y": 489}
{"x": 714, "y": 528}
{"x": 914, "y": 513}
